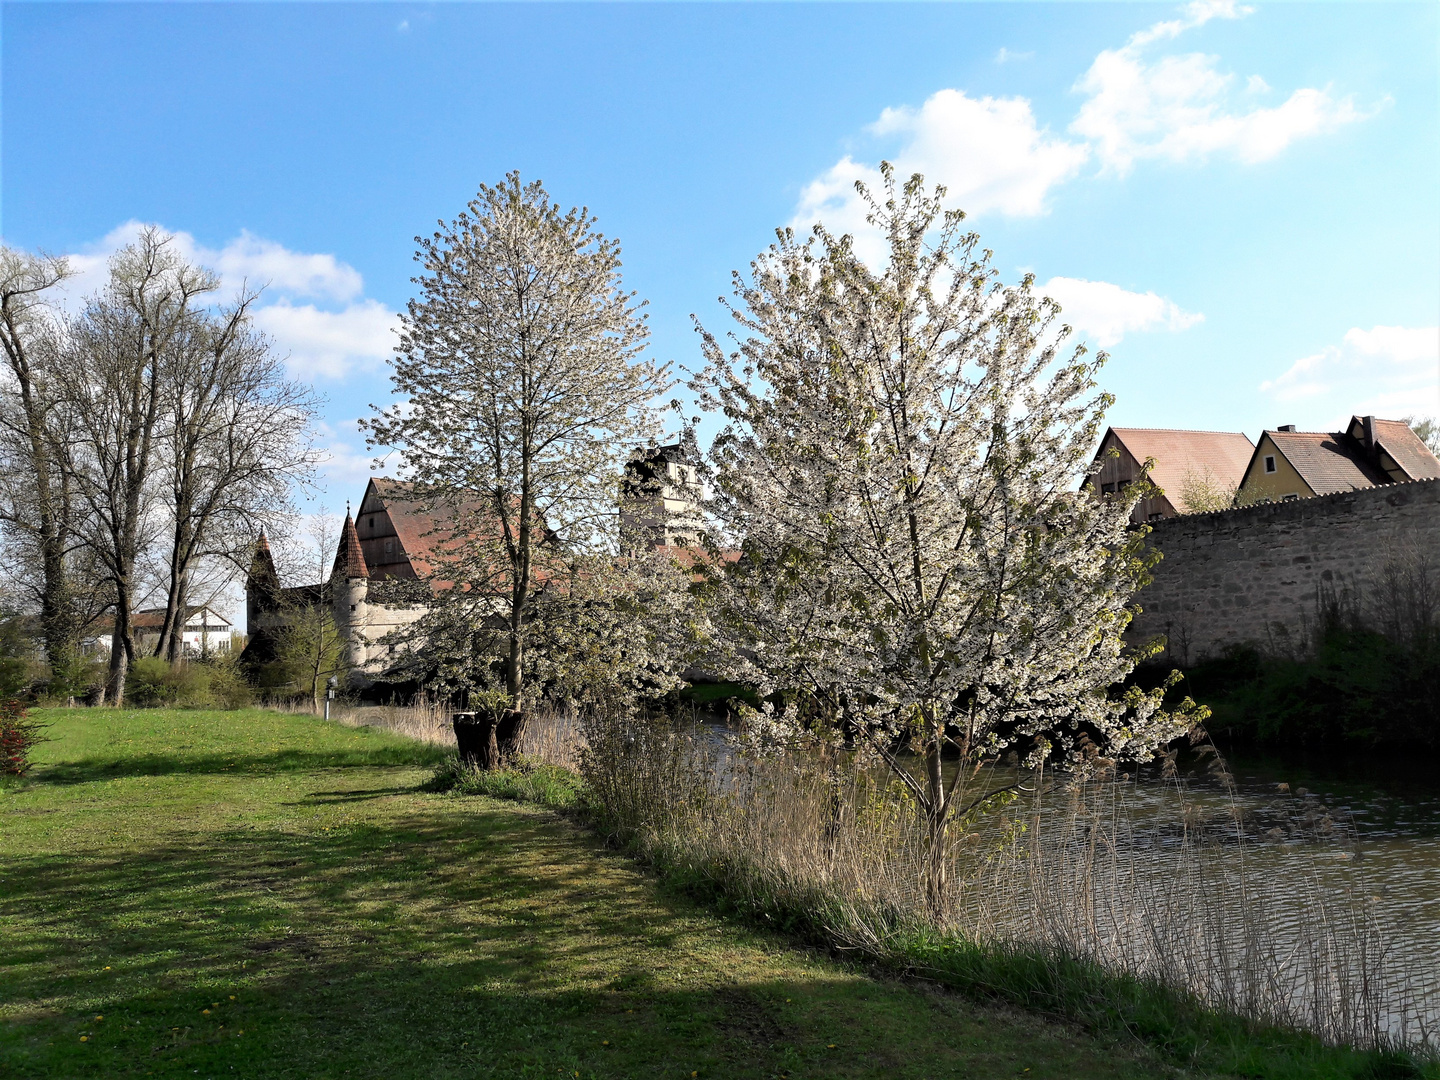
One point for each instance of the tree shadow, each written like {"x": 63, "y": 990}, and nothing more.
{"x": 88, "y": 770}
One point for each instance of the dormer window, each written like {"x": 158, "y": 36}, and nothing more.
{"x": 1269, "y": 463}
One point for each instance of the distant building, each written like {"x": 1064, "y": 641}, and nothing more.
{"x": 394, "y": 539}
{"x": 1184, "y": 463}
{"x": 661, "y": 506}
{"x": 205, "y": 631}
{"x": 392, "y": 536}
{"x": 1289, "y": 464}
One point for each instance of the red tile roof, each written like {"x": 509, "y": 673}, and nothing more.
{"x": 1221, "y": 455}
{"x": 1407, "y": 449}
{"x": 1327, "y": 461}
{"x": 349, "y": 559}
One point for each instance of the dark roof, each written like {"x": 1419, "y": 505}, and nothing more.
{"x": 1223, "y": 455}
{"x": 422, "y": 528}
{"x": 1327, "y": 461}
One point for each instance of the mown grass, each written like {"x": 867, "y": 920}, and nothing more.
{"x": 252, "y": 894}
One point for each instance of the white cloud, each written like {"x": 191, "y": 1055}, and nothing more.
{"x": 1387, "y": 371}
{"x": 1104, "y": 313}
{"x": 1179, "y": 107}
{"x": 330, "y": 344}
{"x": 351, "y": 333}
{"x": 348, "y": 463}
{"x": 1008, "y": 56}
{"x": 995, "y": 156}
{"x": 989, "y": 153}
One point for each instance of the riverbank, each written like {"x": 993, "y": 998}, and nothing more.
{"x": 1046, "y": 979}
{"x": 255, "y": 894}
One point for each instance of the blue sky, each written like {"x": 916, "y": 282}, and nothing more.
{"x": 1239, "y": 203}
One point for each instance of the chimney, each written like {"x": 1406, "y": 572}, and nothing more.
{"x": 1286, "y": 427}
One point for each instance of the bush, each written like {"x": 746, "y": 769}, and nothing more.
{"x": 1357, "y": 686}
{"x": 213, "y": 683}
{"x": 527, "y": 780}
{"x": 20, "y": 667}
{"x": 18, "y": 736}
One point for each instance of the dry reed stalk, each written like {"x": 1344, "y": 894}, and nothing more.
{"x": 1169, "y": 887}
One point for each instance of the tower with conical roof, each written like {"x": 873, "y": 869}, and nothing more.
{"x": 349, "y": 591}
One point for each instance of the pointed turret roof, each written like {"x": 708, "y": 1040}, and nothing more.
{"x": 262, "y": 565}
{"x": 349, "y": 559}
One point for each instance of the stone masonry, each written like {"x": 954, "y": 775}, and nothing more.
{"x": 1254, "y": 575}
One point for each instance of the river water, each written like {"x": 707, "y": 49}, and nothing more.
{"x": 1326, "y": 836}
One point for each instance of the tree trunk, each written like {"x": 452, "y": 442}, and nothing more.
{"x": 937, "y": 815}
{"x": 475, "y": 738}
{"x": 122, "y": 648}
{"x": 57, "y": 618}
{"x": 937, "y": 884}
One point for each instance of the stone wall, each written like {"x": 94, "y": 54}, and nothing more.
{"x": 1254, "y": 575}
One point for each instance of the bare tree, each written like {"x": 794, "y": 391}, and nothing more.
{"x": 237, "y": 434}
{"x": 35, "y": 494}
{"x": 524, "y": 393}
{"x": 113, "y": 392}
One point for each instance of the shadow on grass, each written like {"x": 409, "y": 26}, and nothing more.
{"x": 431, "y": 944}
{"x": 87, "y": 770}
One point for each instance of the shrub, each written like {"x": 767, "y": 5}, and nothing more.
{"x": 229, "y": 688}
{"x": 527, "y": 780}
{"x": 213, "y": 683}
{"x": 18, "y": 736}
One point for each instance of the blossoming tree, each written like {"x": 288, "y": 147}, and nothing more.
{"x": 523, "y": 393}
{"x": 900, "y": 468}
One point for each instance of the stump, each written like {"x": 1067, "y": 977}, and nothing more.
{"x": 509, "y": 732}
{"x": 475, "y": 739}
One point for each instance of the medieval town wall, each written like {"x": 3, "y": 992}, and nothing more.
{"x": 1255, "y": 574}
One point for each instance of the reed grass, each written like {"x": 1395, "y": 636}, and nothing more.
{"x": 1182, "y": 921}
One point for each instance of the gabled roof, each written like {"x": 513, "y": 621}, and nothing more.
{"x": 1327, "y": 461}
{"x": 422, "y": 529}
{"x": 154, "y": 619}
{"x": 1406, "y": 448}
{"x": 1221, "y": 455}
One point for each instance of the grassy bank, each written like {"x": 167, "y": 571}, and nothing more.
{"x": 1177, "y": 1027}
{"x": 252, "y": 894}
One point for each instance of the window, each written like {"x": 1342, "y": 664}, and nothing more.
{"x": 1108, "y": 489}
{"x": 1292, "y": 497}
{"x": 1269, "y": 462}
{"x": 1155, "y": 517}
{"x": 389, "y": 546}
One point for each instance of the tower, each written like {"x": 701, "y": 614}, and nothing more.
{"x": 349, "y": 590}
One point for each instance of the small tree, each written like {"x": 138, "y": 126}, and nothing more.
{"x": 310, "y": 650}
{"x": 900, "y": 468}
{"x": 519, "y": 368}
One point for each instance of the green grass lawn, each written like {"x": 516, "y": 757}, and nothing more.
{"x": 252, "y": 894}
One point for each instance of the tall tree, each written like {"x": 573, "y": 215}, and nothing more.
{"x": 524, "y": 392}
{"x": 235, "y": 436}
{"x": 35, "y": 493}
{"x": 901, "y": 467}
{"x": 118, "y": 351}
